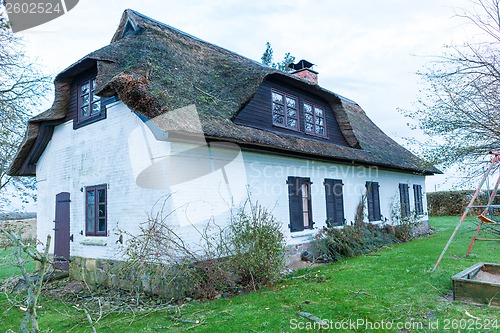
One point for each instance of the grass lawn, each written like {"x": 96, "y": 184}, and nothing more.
{"x": 391, "y": 286}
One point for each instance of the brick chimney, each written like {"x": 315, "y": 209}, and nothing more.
{"x": 303, "y": 70}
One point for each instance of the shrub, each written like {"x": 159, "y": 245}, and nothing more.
{"x": 248, "y": 252}
{"x": 332, "y": 244}
{"x": 257, "y": 246}
{"x": 448, "y": 203}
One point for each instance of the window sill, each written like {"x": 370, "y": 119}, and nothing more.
{"x": 304, "y": 233}
{"x": 320, "y": 136}
{"x": 293, "y": 129}
{"x": 84, "y": 122}
{"x": 94, "y": 242}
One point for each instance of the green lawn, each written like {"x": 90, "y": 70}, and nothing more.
{"x": 393, "y": 285}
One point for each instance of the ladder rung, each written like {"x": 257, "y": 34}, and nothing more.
{"x": 485, "y": 206}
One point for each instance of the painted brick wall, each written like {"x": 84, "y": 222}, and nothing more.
{"x": 202, "y": 182}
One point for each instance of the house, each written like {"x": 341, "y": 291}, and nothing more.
{"x": 159, "y": 113}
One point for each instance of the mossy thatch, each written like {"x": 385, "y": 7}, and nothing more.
{"x": 154, "y": 68}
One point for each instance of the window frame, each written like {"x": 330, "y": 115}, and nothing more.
{"x": 91, "y": 118}
{"x": 314, "y": 106}
{"x": 418, "y": 199}
{"x": 96, "y": 203}
{"x": 373, "y": 201}
{"x": 285, "y": 115}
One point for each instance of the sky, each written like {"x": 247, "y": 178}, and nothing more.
{"x": 368, "y": 51}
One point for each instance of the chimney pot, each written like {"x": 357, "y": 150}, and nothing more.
{"x": 303, "y": 70}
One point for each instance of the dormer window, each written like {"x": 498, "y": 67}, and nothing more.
{"x": 314, "y": 119}
{"x": 89, "y": 103}
{"x": 285, "y": 110}
{"x": 89, "y": 106}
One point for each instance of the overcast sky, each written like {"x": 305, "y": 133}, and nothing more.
{"x": 366, "y": 50}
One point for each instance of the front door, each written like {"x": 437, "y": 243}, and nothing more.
{"x": 61, "y": 232}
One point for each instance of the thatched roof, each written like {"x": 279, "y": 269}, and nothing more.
{"x": 154, "y": 68}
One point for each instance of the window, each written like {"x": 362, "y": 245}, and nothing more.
{"x": 95, "y": 211}
{"x": 314, "y": 119}
{"x": 285, "y": 110}
{"x": 334, "y": 202}
{"x": 404, "y": 200}
{"x": 299, "y": 197}
{"x": 89, "y": 104}
{"x": 373, "y": 199}
{"x": 417, "y": 195}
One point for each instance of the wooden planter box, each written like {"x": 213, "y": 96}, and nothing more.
{"x": 479, "y": 284}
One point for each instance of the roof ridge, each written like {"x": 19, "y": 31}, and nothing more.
{"x": 129, "y": 11}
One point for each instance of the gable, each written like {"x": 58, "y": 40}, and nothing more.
{"x": 258, "y": 113}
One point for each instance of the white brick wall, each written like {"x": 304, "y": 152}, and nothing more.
{"x": 121, "y": 152}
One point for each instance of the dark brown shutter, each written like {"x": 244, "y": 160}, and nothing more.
{"x": 417, "y": 193}
{"x": 404, "y": 199}
{"x": 369, "y": 201}
{"x": 295, "y": 204}
{"x": 334, "y": 202}
{"x": 376, "y": 201}
{"x": 373, "y": 200}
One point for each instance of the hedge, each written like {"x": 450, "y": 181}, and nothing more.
{"x": 446, "y": 203}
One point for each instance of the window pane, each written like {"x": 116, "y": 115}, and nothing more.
{"x": 277, "y": 119}
{"x": 292, "y": 113}
{"x": 291, "y": 102}
{"x": 292, "y": 122}
{"x": 278, "y": 109}
{"x": 93, "y": 84}
{"x": 319, "y": 121}
{"x": 277, "y": 98}
{"x": 101, "y": 195}
{"x": 85, "y": 99}
{"x": 102, "y": 225}
{"x": 309, "y": 127}
{"x": 309, "y": 118}
{"x": 85, "y": 88}
{"x": 90, "y": 212}
{"x": 85, "y": 111}
{"x": 320, "y": 130}
{"x": 307, "y": 108}
{"x": 319, "y": 112}
{"x": 102, "y": 210}
{"x": 96, "y": 107}
{"x": 95, "y": 98}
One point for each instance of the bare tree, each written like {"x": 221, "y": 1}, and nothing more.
{"x": 460, "y": 108}
{"x": 23, "y": 88}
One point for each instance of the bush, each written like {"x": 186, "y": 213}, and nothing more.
{"x": 448, "y": 203}
{"x": 249, "y": 252}
{"x": 332, "y": 244}
{"x": 257, "y": 246}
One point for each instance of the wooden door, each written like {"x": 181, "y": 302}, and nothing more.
{"x": 61, "y": 232}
